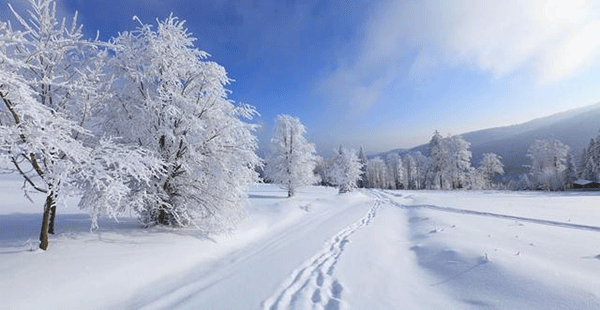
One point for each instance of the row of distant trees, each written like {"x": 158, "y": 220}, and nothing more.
{"x": 448, "y": 167}
{"x": 294, "y": 162}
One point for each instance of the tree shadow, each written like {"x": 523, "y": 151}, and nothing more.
{"x": 21, "y": 230}
{"x": 592, "y": 257}
{"x": 255, "y": 196}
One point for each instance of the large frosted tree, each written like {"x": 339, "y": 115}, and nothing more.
{"x": 173, "y": 102}
{"x": 345, "y": 170}
{"x": 293, "y": 159}
{"x": 53, "y": 87}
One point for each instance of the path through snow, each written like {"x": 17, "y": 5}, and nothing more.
{"x": 314, "y": 285}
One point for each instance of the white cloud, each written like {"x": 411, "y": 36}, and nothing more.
{"x": 552, "y": 40}
{"x": 502, "y": 37}
{"x": 572, "y": 55}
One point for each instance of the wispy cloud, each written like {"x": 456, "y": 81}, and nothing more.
{"x": 551, "y": 40}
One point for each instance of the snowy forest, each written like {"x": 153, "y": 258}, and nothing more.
{"x": 143, "y": 123}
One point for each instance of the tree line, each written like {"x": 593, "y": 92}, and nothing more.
{"x": 447, "y": 166}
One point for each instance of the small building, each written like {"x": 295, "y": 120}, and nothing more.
{"x": 585, "y": 184}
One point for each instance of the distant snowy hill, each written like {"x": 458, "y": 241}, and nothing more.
{"x": 574, "y": 127}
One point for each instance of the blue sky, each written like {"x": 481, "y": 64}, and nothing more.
{"x": 385, "y": 74}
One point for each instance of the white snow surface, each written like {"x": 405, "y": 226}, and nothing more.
{"x": 369, "y": 249}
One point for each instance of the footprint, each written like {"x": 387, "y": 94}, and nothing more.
{"x": 336, "y": 289}
{"x": 320, "y": 279}
{"x": 343, "y": 243}
{"x": 333, "y": 304}
{"x": 316, "y": 297}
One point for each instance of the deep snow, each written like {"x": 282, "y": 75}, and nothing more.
{"x": 370, "y": 249}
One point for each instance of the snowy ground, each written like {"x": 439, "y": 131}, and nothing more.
{"x": 320, "y": 250}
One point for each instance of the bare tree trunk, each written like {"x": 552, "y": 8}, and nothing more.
{"x": 46, "y": 221}
{"x": 162, "y": 216}
{"x": 52, "y": 217}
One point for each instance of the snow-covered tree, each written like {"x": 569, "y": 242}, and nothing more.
{"x": 571, "y": 172}
{"x": 589, "y": 165}
{"x": 422, "y": 167}
{"x": 395, "y": 170}
{"x": 320, "y": 171}
{"x": 438, "y": 162}
{"x": 477, "y": 180}
{"x": 362, "y": 182}
{"x": 292, "y": 161}
{"x": 549, "y": 161}
{"x": 584, "y": 173}
{"x": 521, "y": 183}
{"x": 410, "y": 171}
{"x": 489, "y": 167}
{"x": 458, "y": 162}
{"x": 377, "y": 174}
{"x": 450, "y": 163}
{"x": 53, "y": 87}
{"x": 173, "y": 102}
{"x": 416, "y": 167}
{"x": 345, "y": 169}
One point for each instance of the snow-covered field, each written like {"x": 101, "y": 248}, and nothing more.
{"x": 370, "y": 249}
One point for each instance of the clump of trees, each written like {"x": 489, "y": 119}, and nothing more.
{"x": 552, "y": 166}
{"x": 450, "y": 163}
{"x": 140, "y": 123}
{"x": 345, "y": 170}
{"x": 447, "y": 167}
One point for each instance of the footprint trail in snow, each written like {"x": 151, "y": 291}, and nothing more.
{"x": 313, "y": 285}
